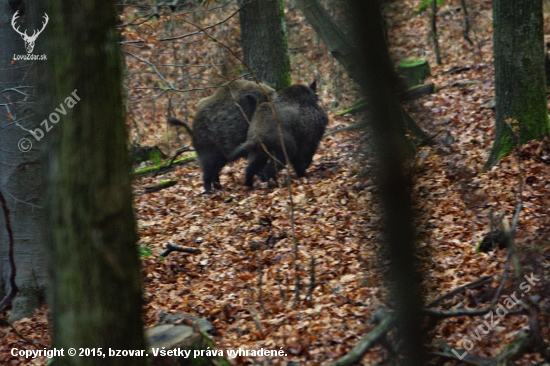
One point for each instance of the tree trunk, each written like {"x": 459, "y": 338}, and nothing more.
{"x": 376, "y": 76}
{"x": 520, "y": 89}
{"x": 347, "y": 54}
{"x": 264, "y": 42}
{"x": 20, "y": 169}
{"x": 338, "y": 42}
{"x": 95, "y": 293}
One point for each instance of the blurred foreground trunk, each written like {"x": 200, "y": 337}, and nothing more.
{"x": 95, "y": 292}
{"x": 377, "y": 79}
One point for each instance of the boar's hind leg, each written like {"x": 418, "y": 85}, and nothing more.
{"x": 255, "y": 163}
{"x": 268, "y": 172}
{"x": 300, "y": 167}
{"x": 212, "y": 165}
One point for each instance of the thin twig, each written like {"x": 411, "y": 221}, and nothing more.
{"x": 278, "y": 279}
{"x": 473, "y": 284}
{"x": 153, "y": 67}
{"x": 192, "y": 33}
{"x": 29, "y": 341}
{"x": 311, "y": 279}
{"x": 260, "y": 298}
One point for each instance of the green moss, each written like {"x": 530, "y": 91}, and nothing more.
{"x": 424, "y": 5}
{"x": 532, "y": 110}
{"x": 357, "y": 107}
{"x": 285, "y": 79}
{"x": 506, "y": 145}
{"x": 156, "y": 156}
{"x": 167, "y": 183}
{"x": 411, "y": 62}
{"x": 414, "y": 70}
{"x": 144, "y": 252}
{"x": 532, "y": 116}
{"x": 155, "y": 167}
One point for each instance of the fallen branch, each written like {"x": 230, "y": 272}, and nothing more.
{"x": 359, "y": 125}
{"x": 176, "y": 248}
{"x": 160, "y": 185}
{"x": 474, "y": 284}
{"x": 522, "y": 344}
{"x": 360, "y": 106}
{"x": 361, "y": 348}
{"x": 179, "y": 152}
{"x": 460, "y": 84}
{"x": 32, "y": 342}
{"x": 447, "y": 352}
{"x": 417, "y": 92}
{"x": 164, "y": 166}
{"x": 457, "y": 69}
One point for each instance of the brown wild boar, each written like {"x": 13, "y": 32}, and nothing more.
{"x": 303, "y": 124}
{"x": 221, "y": 124}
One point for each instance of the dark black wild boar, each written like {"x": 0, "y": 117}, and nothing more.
{"x": 220, "y": 125}
{"x": 303, "y": 124}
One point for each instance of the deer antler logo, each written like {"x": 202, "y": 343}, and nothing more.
{"x": 29, "y": 40}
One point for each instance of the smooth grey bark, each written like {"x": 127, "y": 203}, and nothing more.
{"x": 95, "y": 289}
{"x": 264, "y": 41}
{"x": 520, "y": 81}
{"x": 20, "y": 171}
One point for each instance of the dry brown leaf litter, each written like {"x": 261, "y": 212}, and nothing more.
{"x": 336, "y": 216}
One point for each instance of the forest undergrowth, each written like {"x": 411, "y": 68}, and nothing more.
{"x": 246, "y": 234}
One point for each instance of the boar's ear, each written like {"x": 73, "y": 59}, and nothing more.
{"x": 313, "y": 86}
{"x": 248, "y": 104}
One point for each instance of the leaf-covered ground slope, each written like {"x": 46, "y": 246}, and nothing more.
{"x": 246, "y": 235}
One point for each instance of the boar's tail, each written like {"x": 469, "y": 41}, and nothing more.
{"x": 242, "y": 150}
{"x": 176, "y": 122}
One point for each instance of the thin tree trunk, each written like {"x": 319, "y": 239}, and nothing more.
{"x": 20, "y": 169}
{"x": 95, "y": 293}
{"x": 467, "y": 22}
{"x": 433, "y": 31}
{"x": 264, "y": 41}
{"x": 376, "y": 76}
{"x": 520, "y": 89}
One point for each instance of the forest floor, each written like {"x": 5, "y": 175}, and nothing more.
{"x": 244, "y": 235}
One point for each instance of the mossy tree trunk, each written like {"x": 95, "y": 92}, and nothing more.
{"x": 520, "y": 89}
{"x": 264, "y": 41}
{"x": 95, "y": 291}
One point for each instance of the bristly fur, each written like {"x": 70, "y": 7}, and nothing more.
{"x": 221, "y": 124}
{"x": 303, "y": 123}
